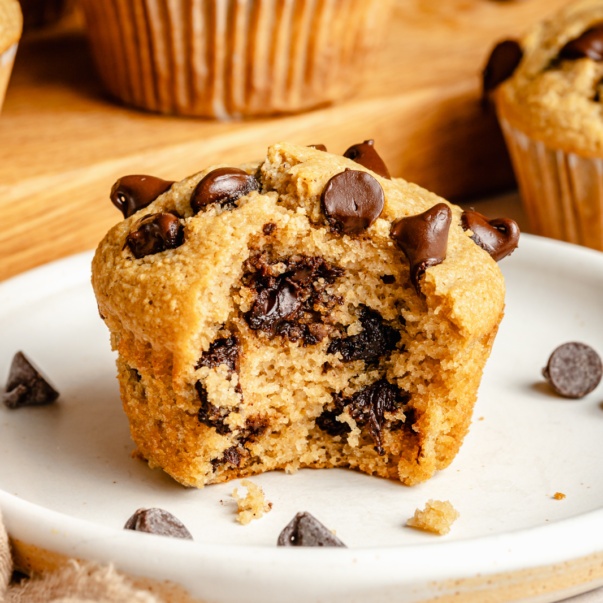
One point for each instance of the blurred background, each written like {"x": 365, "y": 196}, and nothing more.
{"x": 101, "y": 89}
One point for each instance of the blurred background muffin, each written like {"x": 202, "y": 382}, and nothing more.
{"x": 11, "y": 25}
{"x": 233, "y": 58}
{"x": 550, "y": 106}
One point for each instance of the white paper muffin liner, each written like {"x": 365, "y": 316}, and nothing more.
{"x": 7, "y": 59}
{"x": 562, "y": 193}
{"x": 232, "y": 58}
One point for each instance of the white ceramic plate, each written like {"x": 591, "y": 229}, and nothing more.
{"x": 68, "y": 482}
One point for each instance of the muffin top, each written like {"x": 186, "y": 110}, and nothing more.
{"x": 11, "y": 23}
{"x": 555, "y": 94}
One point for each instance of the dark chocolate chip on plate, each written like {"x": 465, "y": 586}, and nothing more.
{"x": 587, "y": 45}
{"x": 132, "y": 193}
{"x": 502, "y": 63}
{"x": 26, "y": 386}
{"x": 573, "y": 370}
{"x": 498, "y": 236}
{"x": 423, "y": 239}
{"x": 305, "y": 530}
{"x": 352, "y": 200}
{"x": 157, "y": 521}
{"x": 154, "y": 234}
{"x": 365, "y": 154}
{"x": 222, "y": 186}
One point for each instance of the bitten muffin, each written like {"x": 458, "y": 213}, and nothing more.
{"x": 547, "y": 91}
{"x": 11, "y": 26}
{"x": 304, "y": 312}
{"x": 233, "y": 58}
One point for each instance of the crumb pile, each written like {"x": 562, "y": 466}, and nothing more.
{"x": 307, "y": 311}
{"x": 437, "y": 517}
{"x": 251, "y": 506}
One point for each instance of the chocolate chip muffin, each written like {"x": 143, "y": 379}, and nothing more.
{"x": 547, "y": 88}
{"x": 304, "y": 312}
{"x": 234, "y": 58}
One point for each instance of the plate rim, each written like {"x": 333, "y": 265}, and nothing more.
{"x": 493, "y": 553}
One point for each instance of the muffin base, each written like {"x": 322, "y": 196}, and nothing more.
{"x": 562, "y": 192}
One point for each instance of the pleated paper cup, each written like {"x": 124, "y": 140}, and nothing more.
{"x": 562, "y": 192}
{"x": 233, "y": 58}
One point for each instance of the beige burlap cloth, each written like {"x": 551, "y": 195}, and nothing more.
{"x": 75, "y": 583}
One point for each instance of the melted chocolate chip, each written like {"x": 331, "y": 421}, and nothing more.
{"x": 502, "y": 63}
{"x": 374, "y": 341}
{"x": 498, "y": 236}
{"x": 318, "y": 147}
{"x": 132, "y": 193}
{"x": 423, "y": 239}
{"x": 157, "y": 521}
{"x": 154, "y": 234}
{"x": 221, "y": 351}
{"x": 352, "y": 201}
{"x": 587, "y": 45}
{"x": 388, "y": 279}
{"x": 269, "y": 228}
{"x": 305, "y": 530}
{"x": 232, "y": 456}
{"x": 573, "y": 370}
{"x": 26, "y": 386}
{"x": 210, "y": 415}
{"x": 294, "y": 302}
{"x": 224, "y": 186}
{"x": 365, "y": 154}
{"x": 274, "y": 306}
{"x": 366, "y": 407}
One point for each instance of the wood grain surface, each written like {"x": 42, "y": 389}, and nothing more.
{"x": 64, "y": 142}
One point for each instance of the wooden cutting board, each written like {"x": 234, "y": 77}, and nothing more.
{"x": 63, "y": 142}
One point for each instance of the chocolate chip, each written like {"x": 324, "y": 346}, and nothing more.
{"x": 131, "y": 193}
{"x": 210, "y": 415}
{"x": 423, "y": 239}
{"x": 352, "y": 201}
{"x": 587, "y": 45}
{"x": 291, "y": 302}
{"x": 504, "y": 59}
{"x": 498, "y": 236}
{"x": 388, "y": 279}
{"x": 232, "y": 456}
{"x": 365, "y": 154}
{"x": 374, "y": 341}
{"x": 221, "y": 351}
{"x": 223, "y": 186}
{"x": 26, "y": 386}
{"x": 573, "y": 370}
{"x": 273, "y": 306}
{"x": 268, "y": 228}
{"x": 154, "y": 234}
{"x": 318, "y": 147}
{"x": 305, "y": 530}
{"x": 157, "y": 521}
{"x": 366, "y": 407}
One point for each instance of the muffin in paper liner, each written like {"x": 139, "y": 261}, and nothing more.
{"x": 233, "y": 58}
{"x": 11, "y": 25}
{"x": 548, "y": 92}
{"x": 562, "y": 192}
